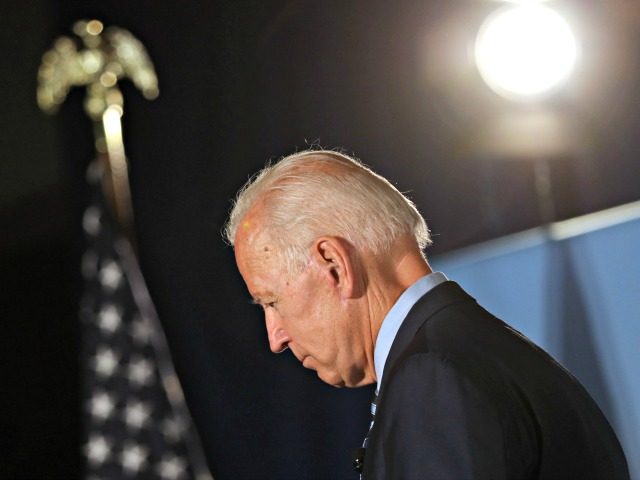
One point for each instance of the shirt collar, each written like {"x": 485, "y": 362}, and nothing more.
{"x": 394, "y": 318}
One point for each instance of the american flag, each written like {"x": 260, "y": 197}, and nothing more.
{"x": 136, "y": 422}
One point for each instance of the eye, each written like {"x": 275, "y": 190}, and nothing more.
{"x": 264, "y": 305}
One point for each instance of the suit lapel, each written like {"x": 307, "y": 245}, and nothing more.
{"x": 433, "y": 301}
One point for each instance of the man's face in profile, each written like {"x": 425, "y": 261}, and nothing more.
{"x": 303, "y": 311}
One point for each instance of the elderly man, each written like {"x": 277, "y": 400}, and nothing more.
{"x": 334, "y": 255}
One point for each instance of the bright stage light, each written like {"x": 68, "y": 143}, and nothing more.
{"x": 524, "y": 51}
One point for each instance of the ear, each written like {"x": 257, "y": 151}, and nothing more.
{"x": 336, "y": 257}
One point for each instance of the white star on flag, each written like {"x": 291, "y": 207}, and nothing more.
{"x": 136, "y": 414}
{"x": 101, "y": 405}
{"x": 94, "y": 172}
{"x": 140, "y": 371}
{"x": 91, "y": 220}
{"x": 97, "y": 449}
{"x": 172, "y": 429}
{"x": 110, "y": 275}
{"x": 141, "y": 330}
{"x": 171, "y": 467}
{"x": 133, "y": 457}
{"x": 109, "y": 318}
{"x": 105, "y": 362}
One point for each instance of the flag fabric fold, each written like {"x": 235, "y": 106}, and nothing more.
{"x": 135, "y": 420}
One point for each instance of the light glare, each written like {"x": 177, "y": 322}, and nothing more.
{"x": 525, "y": 50}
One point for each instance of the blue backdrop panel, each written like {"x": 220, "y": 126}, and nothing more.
{"x": 574, "y": 289}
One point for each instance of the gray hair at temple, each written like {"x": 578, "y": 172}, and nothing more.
{"x": 321, "y": 192}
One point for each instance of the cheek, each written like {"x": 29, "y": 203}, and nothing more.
{"x": 303, "y": 298}
{"x": 308, "y": 310}
{"x": 319, "y": 330}
{"x": 304, "y": 317}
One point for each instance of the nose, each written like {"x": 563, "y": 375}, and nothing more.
{"x": 278, "y": 337}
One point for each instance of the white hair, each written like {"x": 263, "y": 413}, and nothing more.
{"x": 322, "y": 192}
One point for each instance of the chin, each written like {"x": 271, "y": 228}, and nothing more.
{"x": 332, "y": 379}
{"x": 335, "y": 380}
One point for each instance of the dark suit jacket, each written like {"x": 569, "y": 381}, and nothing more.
{"x": 464, "y": 396}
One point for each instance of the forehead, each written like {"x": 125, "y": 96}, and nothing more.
{"x": 252, "y": 241}
{"x": 256, "y": 256}
{"x": 252, "y": 249}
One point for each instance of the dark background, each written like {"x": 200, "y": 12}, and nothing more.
{"x": 243, "y": 82}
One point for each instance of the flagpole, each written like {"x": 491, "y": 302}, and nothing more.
{"x": 119, "y": 172}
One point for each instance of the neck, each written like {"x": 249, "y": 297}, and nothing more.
{"x": 391, "y": 278}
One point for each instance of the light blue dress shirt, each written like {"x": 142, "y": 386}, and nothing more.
{"x": 394, "y": 318}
